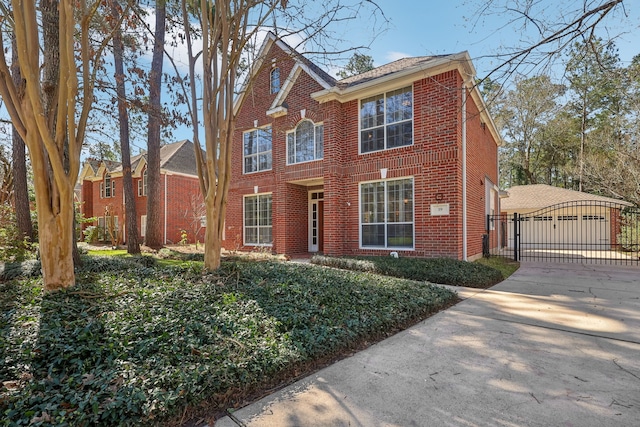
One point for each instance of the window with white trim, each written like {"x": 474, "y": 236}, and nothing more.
{"x": 107, "y": 187}
{"x": 275, "y": 80}
{"x": 257, "y": 153}
{"x": 305, "y": 143}
{"x": 258, "y": 220}
{"x": 143, "y": 225}
{"x": 386, "y": 120}
{"x": 142, "y": 184}
{"x": 386, "y": 214}
{"x": 490, "y": 200}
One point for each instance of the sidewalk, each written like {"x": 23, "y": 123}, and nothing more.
{"x": 555, "y": 344}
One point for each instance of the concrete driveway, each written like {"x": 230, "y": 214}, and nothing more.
{"x": 554, "y": 345}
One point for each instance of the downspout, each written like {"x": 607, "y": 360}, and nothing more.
{"x": 165, "y": 208}
{"x": 464, "y": 171}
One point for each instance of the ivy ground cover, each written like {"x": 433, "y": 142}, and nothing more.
{"x": 135, "y": 344}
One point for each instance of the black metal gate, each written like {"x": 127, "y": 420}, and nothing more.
{"x": 582, "y": 231}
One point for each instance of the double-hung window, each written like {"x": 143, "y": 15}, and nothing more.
{"x": 305, "y": 143}
{"x": 258, "y": 220}
{"x": 386, "y": 121}
{"x": 142, "y": 184}
{"x": 386, "y": 214}
{"x": 107, "y": 187}
{"x": 257, "y": 150}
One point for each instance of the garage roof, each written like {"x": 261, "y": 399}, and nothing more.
{"x": 539, "y": 196}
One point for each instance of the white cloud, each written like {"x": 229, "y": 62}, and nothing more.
{"x": 394, "y": 56}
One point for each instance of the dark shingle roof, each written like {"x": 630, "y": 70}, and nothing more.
{"x": 175, "y": 157}
{"x": 388, "y": 69}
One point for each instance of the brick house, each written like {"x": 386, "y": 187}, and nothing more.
{"x": 181, "y": 200}
{"x": 402, "y": 158}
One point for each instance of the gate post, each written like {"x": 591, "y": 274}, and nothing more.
{"x": 516, "y": 236}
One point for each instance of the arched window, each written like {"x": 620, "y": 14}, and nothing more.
{"x": 305, "y": 143}
{"x": 275, "y": 80}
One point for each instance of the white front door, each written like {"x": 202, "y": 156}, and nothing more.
{"x": 316, "y": 205}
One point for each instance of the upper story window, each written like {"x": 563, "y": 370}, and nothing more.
{"x": 257, "y": 150}
{"x": 107, "y": 187}
{"x": 386, "y": 120}
{"x": 305, "y": 143}
{"x": 275, "y": 80}
{"x": 142, "y": 184}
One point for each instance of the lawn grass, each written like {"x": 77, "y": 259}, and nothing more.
{"x": 135, "y": 343}
{"x": 108, "y": 252}
{"x": 444, "y": 271}
{"x": 506, "y": 266}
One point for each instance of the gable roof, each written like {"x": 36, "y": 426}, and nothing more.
{"x": 538, "y": 196}
{"x": 394, "y": 75}
{"x": 317, "y": 73}
{"x": 177, "y": 157}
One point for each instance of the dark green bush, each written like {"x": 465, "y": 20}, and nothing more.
{"x": 445, "y": 271}
{"x": 132, "y": 345}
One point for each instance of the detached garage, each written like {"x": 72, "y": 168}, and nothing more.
{"x": 553, "y": 218}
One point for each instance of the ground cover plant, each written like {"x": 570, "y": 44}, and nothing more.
{"x": 135, "y": 343}
{"x": 444, "y": 271}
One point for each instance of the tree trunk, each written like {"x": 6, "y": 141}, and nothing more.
{"x": 19, "y": 161}
{"x": 153, "y": 236}
{"x": 131, "y": 222}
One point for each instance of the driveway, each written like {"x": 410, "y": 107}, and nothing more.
{"x": 554, "y": 345}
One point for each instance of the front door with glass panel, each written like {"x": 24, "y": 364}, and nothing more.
{"x": 316, "y": 221}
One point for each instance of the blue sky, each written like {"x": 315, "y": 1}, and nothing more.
{"x": 429, "y": 27}
{"x": 424, "y": 27}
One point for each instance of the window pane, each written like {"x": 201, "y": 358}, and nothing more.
{"x": 251, "y": 235}
{"x": 265, "y": 237}
{"x": 250, "y": 211}
{"x": 291, "y": 151}
{"x": 264, "y": 161}
{"x": 399, "y": 105}
{"x": 407, "y": 201}
{"x": 400, "y": 235}
{"x": 372, "y": 206}
{"x": 275, "y": 80}
{"x": 399, "y": 134}
{"x": 250, "y": 146}
{"x": 373, "y": 235}
{"x": 372, "y": 140}
{"x": 372, "y": 112}
{"x": 319, "y": 142}
{"x": 264, "y": 140}
{"x": 304, "y": 141}
{"x": 250, "y": 164}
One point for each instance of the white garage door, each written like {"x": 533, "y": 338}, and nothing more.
{"x": 564, "y": 230}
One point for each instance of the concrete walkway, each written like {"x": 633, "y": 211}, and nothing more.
{"x": 554, "y": 345}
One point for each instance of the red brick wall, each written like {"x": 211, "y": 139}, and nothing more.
{"x": 481, "y": 163}
{"x": 434, "y": 161}
{"x": 180, "y": 191}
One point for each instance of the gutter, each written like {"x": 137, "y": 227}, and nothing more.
{"x": 165, "y": 208}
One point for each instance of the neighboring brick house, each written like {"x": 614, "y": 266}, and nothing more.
{"x": 386, "y": 161}
{"x": 181, "y": 201}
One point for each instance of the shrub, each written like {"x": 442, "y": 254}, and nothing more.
{"x": 444, "y": 271}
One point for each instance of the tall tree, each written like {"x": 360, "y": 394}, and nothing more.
{"x": 358, "y": 64}
{"x": 524, "y": 115}
{"x": 19, "y": 160}
{"x": 131, "y": 223}
{"x": 55, "y": 148}
{"x": 153, "y": 235}
{"x": 592, "y": 74}
{"x": 227, "y": 29}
